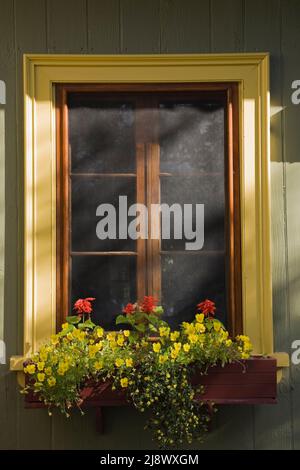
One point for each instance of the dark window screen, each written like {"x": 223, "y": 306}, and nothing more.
{"x": 106, "y": 138}
{"x": 191, "y": 137}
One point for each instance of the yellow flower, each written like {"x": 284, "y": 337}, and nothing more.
{"x": 65, "y": 326}
{"x": 100, "y": 332}
{"x": 162, "y": 358}
{"x": 54, "y": 340}
{"x": 48, "y": 371}
{"x": 41, "y": 377}
{"x": 112, "y": 336}
{"x": 199, "y": 327}
{"x": 200, "y": 317}
{"x": 51, "y": 381}
{"x": 174, "y": 335}
{"x": 189, "y": 328}
{"x": 243, "y": 338}
{"x": 186, "y": 347}
{"x": 43, "y": 354}
{"x": 62, "y": 368}
{"x": 177, "y": 346}
{"x": 120, "y": 340}
{"x": 174, "y": 353}
{"x": 92, "y": 350}
{"x": 245, "y": 355}
{"x": 217, "y": 326}
{"x": 228, "y": 342}
{"x": 126, "y": 333}
{"x": 193, "y": 338}
{"x": 30, "y": 369}
{"x": 119, "y": 362}
{"x": 40, "y": 366}
{"x": 98, "y": 365}
{"x": 113, "y": 344}
{"x": 156, "y": 347}
{"x": 164, "y": 331}
{"x": 129, "y": 362}
{"x": 70, "y": 336}
{"x": 124, "y": 382}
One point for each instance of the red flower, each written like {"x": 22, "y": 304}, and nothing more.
{"x": 207, "y": 307}
{"x": 129, "y": 309}
{"x": 84, "y": 305}
{"x": 148, "y": 304}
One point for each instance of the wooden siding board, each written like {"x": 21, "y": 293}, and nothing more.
{"x": 227, "y": 25}
{"x": 67, "y": 26}
{"x": 30, "y": 36}
{"x": 180, "y": 27}
{"x": 272, "y": 427}
{"x": 103, "y": 26}
{"x": 291, "y": 116}
{"x": 8, "y": 387}
{"x": 185, "y": 26}
{"x": 140, "y": 26}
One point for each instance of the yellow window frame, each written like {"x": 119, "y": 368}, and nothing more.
{"x": 42, "y": 72}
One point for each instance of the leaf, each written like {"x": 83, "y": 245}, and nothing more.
{"x": 67, "y": 330}
{"x": 123, "y": 319}
{"x": 152, "y": 328}
{"x": 134, "y": 336}
{"x": 158, "y": 310}
{"x": 74, "y": 319}
{"x": 88, "y": 324}
{"x": 141, "y": 327}
{"x": 153, "y": 319}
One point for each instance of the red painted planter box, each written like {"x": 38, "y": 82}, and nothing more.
{"x": 251, "y": 382}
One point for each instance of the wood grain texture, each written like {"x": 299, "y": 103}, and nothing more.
{"x": 67, "y": 26}
{"x": 8, "y": 386}
{"x": 103, "y": 26}
{"x": 172, "y": 26}
{"x": 30, "y": 36}
{"x": 185, "y": 26}
{"x": 140, "y": 33}
{"x": 291, "y": 120}
{"x": 267, "y": 20}
{"x": 227, "y": 25}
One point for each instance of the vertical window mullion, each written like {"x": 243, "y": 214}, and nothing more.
{"x": 153, "y": 197}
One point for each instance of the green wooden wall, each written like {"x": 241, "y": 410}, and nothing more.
{"x": 158, "y": 26}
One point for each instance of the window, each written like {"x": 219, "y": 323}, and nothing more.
{"x": 169, "y": 145}
{"x": 44, "y": 73}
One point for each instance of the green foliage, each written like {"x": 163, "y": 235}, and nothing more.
{"x": 154, "y": 371}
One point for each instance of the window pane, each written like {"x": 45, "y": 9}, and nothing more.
{"x": 192, "y": 153}
{"x": 87, "y": 194}
{"x": 110, "y": 279}
{"x": 197, "y": 190}
{"x": 187, "y": 280}
{"x": 101, "y": 136}
{"x": 191, "y": 137}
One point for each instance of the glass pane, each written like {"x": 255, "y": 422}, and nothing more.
{"x": 101, "y": 136}
{"x": 197, "y": 190}
{"x": 110, "y": 279}
{"x": 187, "y": 280}
{"x": 87, "y": 194}
{"x": 191, "y": 137}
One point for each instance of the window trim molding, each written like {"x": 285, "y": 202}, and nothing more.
{"x": 41, "y": 72}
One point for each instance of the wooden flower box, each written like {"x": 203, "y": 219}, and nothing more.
{"x": 252, "y": 381}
